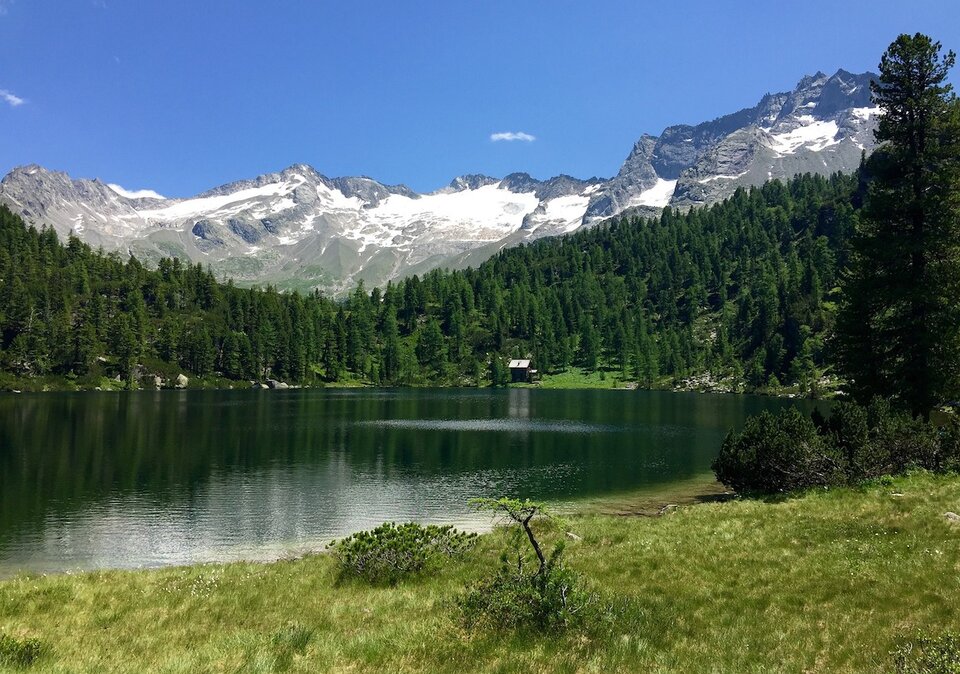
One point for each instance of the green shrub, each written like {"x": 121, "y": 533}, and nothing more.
{"x": 775, "y": 453}
{"x": 537, "y": 592}
{"x": 549, "y": 600}
{"x": 788, "y": 451}
{"x": 929, "y": 655}
{"x": 392, "y": 552}
{"x": 21, "y": 652}
{"x": 950, "y": 445}
{"x": 879, "y": 439}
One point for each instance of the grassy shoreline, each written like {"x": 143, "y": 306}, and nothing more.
{"x": 573, "y": 378}
{"x": 825, "y": 582}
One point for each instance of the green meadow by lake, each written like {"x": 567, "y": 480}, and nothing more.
{"x": 126, "y": 480}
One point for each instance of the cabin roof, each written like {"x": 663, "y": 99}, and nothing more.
{"x": 514, "y": 364}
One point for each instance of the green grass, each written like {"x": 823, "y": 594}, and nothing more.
{"x": 826, "y": 582}
{"x": 577, "y": 378}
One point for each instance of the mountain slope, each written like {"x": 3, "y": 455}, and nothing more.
{"x": 822, "y": 126}
{"x": 298, "y": 228}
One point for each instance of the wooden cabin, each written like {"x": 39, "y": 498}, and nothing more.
{"x": 521, "y": 372}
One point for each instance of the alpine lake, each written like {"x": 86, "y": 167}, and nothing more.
{"x": 141, "y": 479}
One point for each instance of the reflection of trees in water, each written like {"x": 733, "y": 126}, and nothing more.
{"x": 59, "y": 452}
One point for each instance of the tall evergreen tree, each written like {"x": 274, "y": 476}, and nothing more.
{"x": 899, "y": 326}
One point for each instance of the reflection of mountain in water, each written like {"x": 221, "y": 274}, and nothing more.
{"x": 123, "y": 479}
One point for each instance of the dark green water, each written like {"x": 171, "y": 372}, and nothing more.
{"x": 95, "y": 480}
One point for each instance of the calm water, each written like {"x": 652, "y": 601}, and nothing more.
{"x": 95, "y": 480}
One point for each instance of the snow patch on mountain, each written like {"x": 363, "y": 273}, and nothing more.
{"x": 223, "y": 204}
{"x": 567, "y": 211}
{"x": 486, "y": 213}
{"x": 131, "y": 194}
{"x": 720, "y": 176}
{"x": 864, "y": 113}
{"x": 658, "y": 195}
{"x": 814, "y": 135}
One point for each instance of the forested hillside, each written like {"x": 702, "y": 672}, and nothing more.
{"x": 741, "y": 291}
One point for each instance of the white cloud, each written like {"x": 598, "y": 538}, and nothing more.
{"x": 512, "y": 135}
{"x": 12, "y": 99}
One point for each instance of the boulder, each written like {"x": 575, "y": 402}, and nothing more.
{"x": 158, "y": 381}
{"x": 182, "y": 380}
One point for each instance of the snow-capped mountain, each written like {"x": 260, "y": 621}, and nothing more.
{"x": 298, "y": 228}
{"x": 822, "y": 126}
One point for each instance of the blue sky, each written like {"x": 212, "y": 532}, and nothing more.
{"x": 181, "y": 96}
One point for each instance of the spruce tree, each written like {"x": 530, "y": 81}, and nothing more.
{"x": 899, "y": 325}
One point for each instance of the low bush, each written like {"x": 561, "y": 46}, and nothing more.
{"x": 788, "y": 451}
{"x": 392, "y": 552}
{"x": 549, "y": 600}
{"x": 773, "y": 453}
{"x": 536, "y": 592}
{"x": 929, "y": 655}
{"x": 21, "y": 652}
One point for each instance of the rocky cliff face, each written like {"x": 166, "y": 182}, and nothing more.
{"x": 300, "y": 229}
{"x": 821, "y": 126}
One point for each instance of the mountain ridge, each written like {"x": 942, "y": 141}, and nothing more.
{"x": 302, "y": 229}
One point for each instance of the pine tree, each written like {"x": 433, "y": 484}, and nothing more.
{"x": 499, "y": 375}
{"x": 391, "y": 346}
{"x": 589, "y": 344}
{"x": 430, "y": 347}
{"x": 899, "y": 326}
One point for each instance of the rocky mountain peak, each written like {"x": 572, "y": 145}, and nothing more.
{"x": 471, "y": 181}
{"x": 810, "y": 128}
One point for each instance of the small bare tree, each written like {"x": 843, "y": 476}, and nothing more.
{"x": 550, "y": 598}
{"x": 521, "y": 513}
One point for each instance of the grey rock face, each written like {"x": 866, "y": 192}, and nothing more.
{"x": 821, "y": 126}
{"x": 247, "y": 231}
{"x": 558, "y": 186}
{"x": 369, "y": 191}
{"x": 471, "y": 182}
{"x": 300, "y": 229}
{"x": 208, "y": 231}
{"x": 824, "y": 126}
{"x": 564, "y": 186}
{"x": 636, "y": 176}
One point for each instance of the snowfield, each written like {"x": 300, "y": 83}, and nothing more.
{"x": 813, "y": 135}
{"x": 134, "y": 194}
{"x": 657, "y": 196}
{"x": 487, "y": 213}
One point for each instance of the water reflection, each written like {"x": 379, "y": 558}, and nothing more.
{"x": 120, "y": 480}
